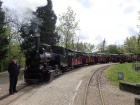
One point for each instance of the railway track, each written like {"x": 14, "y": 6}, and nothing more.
{"x": 95, "y": 82}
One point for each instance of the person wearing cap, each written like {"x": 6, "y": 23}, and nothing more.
{"x": 14, "y": 70}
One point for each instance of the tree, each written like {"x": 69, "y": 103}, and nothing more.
{"x": 102, "y": 46}
{"x": 67, "y": 28}
{"x": 13, "y": 26}
{"x": 131, "y": 45}
{"x": 3, "y": 37}
{"x": 48, "y": 17}
{"x": 113, "y": 49}
{"x": 12, "y": 21}
{"x": 85, "y": 47}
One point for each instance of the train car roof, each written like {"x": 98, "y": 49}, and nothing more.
{"x": 101, "y": 53}
{"x": 113, "y": 54}
{"x": 63, "y": 48}
{"x": 129, "y": 53}
{"x": 46, "y": 45}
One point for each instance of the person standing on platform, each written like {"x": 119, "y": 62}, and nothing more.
{"x": 14, "y": 70}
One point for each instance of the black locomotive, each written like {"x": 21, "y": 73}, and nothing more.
{"x": 41, "y": 64}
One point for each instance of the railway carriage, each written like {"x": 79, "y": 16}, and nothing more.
{"x": 113, "y": 58}
{"x": 101, "y": 58}
{"x": 129, "y": 57}
{"x": 126, "y": 57}
{"x": 66, "y": 57}
{"x": 91, "y": 58}
{"x": 79, "y": 56}
{"x": 122, "y": 58}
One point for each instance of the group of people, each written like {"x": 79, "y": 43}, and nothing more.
{"x": 14, "y": 70}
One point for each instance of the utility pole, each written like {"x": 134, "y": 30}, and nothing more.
{"x": 104, "y": 45}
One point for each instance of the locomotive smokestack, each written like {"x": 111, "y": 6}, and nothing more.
{"x": 37, "y": 42}
{"x": 37, "y": 38}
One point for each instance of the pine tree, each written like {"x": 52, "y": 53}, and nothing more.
{"x": 3, "y": 37}
{"x": 48, "y": 34}
{"x": 4, "y": 42}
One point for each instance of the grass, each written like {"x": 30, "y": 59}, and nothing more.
{"x": 130, "y": 75}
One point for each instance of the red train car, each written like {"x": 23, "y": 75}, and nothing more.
{"x": 101, "y": 58}
{"x": 129, "y": 57}
{"x": 113, "y": 58}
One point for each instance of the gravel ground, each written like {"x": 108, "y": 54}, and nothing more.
{"x": 60, "y": 91}
{"x": 4, "y": 83}
{"x": 113, "y": 96}
{"x": 68, "y": 89}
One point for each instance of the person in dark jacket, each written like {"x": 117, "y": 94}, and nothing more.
{"x": 14, "y": 70}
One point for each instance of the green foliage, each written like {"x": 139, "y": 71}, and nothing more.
{"x": 130, "y": 75}
{"x": 113, "y": 49}
{"x": 3, "y": 38}
{"x": 85, "y": 47}
{"x": 14, "y": 50}
{"x": 131, "y": 45}
{"x": 4, "y": 42}
{"x": 67, "y": 29}
{"x": 102, "y": 46}
{"x": 48, "y": 34}
{"x": 9, "y": 41}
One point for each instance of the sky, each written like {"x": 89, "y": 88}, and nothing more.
{"x": 112, "y": 20}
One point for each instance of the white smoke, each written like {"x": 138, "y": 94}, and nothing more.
{"x": 24, "y": 8}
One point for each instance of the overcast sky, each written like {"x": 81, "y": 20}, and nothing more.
{"x": 113, "y": 20}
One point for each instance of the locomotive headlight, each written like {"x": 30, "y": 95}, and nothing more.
{"x": 40, "y": 67}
